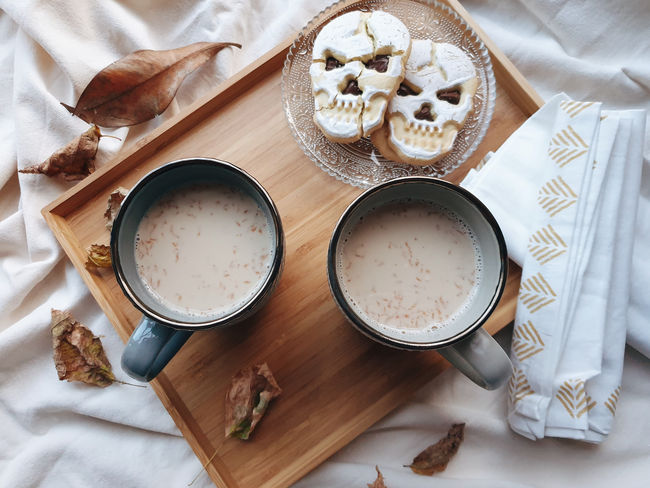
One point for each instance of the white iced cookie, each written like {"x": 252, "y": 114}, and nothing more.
{"x": 430, "y": 106}
{"x": 357, "y": 65}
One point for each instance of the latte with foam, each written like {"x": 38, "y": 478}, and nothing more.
{"x": 409, "y": 267}
{"x": 204, "y": 249}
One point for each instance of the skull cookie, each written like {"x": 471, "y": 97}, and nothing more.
{"x": 430, "y": 106}
{"x": 358, "y": 62}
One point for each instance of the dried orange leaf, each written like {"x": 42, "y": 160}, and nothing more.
{"x": 248, "y": 397}
{"x": 74, "y": 161}
{"x": 140, "y": 85}
{"x": 435, "y": 457}
{"x": 78, "y": 354}
{"x": 99, "y": 256}
{"x": 114, "y": 202}
{"x": 379, "y": 482}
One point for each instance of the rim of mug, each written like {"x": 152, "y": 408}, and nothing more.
{"x": 369, "y": 331}
{"x": 241, "y": 312}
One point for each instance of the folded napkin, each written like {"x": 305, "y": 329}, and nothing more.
{"x": 565, "y": 189}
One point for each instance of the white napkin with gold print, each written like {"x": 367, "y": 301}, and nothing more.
{"x": 564, "y": 189}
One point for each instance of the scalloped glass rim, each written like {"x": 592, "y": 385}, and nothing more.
{"x": 360, "y": 164}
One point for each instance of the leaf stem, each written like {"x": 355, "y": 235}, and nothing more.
{"x": 204, "y": 466}
{"x": 107, "y": 135}
{"x": 130, "y": 384}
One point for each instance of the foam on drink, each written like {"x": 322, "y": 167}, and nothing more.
{"x": 409, "y": 268}
{"x": 204, "y": 249}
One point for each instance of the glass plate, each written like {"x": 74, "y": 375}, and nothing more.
{"x": 360, "y": 163}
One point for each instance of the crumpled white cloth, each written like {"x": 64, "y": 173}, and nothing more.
{"x": 572, "y": 172}
{"x": 57, "y": 434}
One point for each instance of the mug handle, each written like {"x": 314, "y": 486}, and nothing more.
{"x": 481, "y": 359}
{"x": 150, "y": 348}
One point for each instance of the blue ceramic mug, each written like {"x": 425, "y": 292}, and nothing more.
{"x": 163, "y": 329}
{"x": 462, "y": 341}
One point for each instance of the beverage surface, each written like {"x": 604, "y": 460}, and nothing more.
{"x": 204, "y": 249}
{"x": 409, "y": 267}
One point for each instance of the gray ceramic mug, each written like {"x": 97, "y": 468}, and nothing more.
{"x": 462, "y": 342}
{"x": 163, "y": 330}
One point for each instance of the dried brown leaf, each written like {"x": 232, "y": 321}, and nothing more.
{"x": 141, "y": 85}
{"x": 379, "y": 482}
{"x": 248, "y": 397}
{"x": 99, "y": 256}
{"x": 78, "y": 354}
{"x": 435, "y": 458}
{"x": 114, "y": 202}
{"x": 74, "y": 161}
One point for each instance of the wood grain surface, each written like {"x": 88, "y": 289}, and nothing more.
{"x": 336, "y": 383}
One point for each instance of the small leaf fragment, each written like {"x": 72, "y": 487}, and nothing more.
{"x": 435, "y": 458}
{"x": 78, "y": 354}
{"x": 99, "y": 256}
{"x": 251, "y": 390}
{"x": 114, "y": 202}
{"x": 379, "y": 482}
{"x": 140, "y": 85}
{"x": 74, "y": 161}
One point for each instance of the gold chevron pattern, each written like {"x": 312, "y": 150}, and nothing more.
{"x": 526, "y": 341}
{"x": 612, "y": 401}
{"x": 518, "y": 386}
{"x": 566, "y": 146}
{"x": 535, "y": 293}
{"x": 556, "y": 195}
{"x": 574, "y": 108}
{"x": 574, "y": 398}
{"x": 546, "y": 245}
{"x": 482, "y": 162}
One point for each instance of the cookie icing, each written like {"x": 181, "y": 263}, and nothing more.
{"x": 430, "y": 69}
{"x": 344, "y": 38}
{"x": 389, "y": 33}
{"x": 353, "y": 39}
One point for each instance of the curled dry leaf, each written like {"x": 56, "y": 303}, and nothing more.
{"x": 78, "y": 354}
{"x": 248, "y": 397}
{"x": 74, "y": 161}
{"x": 114, "y": 202}
{"x": 99, "y": 256}
{"x": 141, "y": 85}
{"x": 436, "y": 457}
{"x": 379, "y": 482}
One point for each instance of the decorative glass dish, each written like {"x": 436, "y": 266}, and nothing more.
{"x": 360, "y": 163}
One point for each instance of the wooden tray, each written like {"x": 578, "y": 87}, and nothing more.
{"x": 336, "y": 383}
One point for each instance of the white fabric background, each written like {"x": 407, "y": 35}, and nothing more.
{"x": 63, "y": 434}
